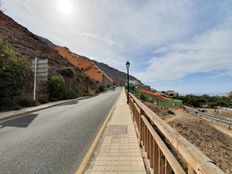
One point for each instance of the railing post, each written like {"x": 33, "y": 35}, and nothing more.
{"x": 156, "y": 161}
{"x": 152, "y": 153}
{"x": 143, "y": 133}
{"x": 190, "y": 170}
{"x": 168, "y": 169}
{"x": 148, "y": 144}
{"x": 162, "y": 163}
{"x": 159, "y": 160}
{"x": 145, "y": 138}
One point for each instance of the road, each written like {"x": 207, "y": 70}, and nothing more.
{"x": 54, "y": 140}
{"x": 224, "y": 121}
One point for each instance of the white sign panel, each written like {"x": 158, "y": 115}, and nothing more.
{"x": 40, "y": 69}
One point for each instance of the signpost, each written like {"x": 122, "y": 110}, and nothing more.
{"x": 40, "y": 69}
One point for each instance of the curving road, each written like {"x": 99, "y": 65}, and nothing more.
{"x": 53, "y": 140}
{"x": 224, "y": 121}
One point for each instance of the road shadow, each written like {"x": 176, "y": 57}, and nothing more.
{"x": 21, "y": 122}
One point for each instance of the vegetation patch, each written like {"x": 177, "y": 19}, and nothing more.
{"x": 205, "y": 100}
{"x": 15, "y": 74}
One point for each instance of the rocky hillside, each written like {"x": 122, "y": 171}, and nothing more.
{"x": 119, "y": 77}
{"x": 28, "y": 45}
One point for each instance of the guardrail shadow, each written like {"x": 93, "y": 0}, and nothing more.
{"x": 21, "y": 122}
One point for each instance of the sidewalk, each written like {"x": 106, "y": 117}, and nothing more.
{"x": 118, "y": 150}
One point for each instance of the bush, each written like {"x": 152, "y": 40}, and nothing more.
{"x": 101, "y": 88}
{"x": 43, "y": 98}
{"x": 56, "y": 88}
{"x": 143, "y": 97}
{"x": 69, "y": 94}
{"x": 14, "y": 73}
{"x": 26, "y": 102}
{"x": 146, "y": 98}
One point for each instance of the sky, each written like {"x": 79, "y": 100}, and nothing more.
{"x": 185, "y": 45}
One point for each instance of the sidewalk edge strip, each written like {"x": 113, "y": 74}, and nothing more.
{"x": 94, "y": 144}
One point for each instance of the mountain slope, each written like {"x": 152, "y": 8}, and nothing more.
{"x": 119, "y": 77}
{"x": 29, "y": 46}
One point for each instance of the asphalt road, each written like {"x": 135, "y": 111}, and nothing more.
{"x": 53, "y": 140}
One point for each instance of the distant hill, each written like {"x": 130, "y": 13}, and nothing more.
{"x": 118, "y": 76}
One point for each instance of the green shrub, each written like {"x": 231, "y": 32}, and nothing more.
{"x": 145, "y": 97}
{"x": 26, "y": 102}
{"x": 101, "y": 88}
{"x": 43, "y": 99}
{"x": 14, "y": 73}
{"x": 56, "y": 88}
{"x": 69, "y": 94}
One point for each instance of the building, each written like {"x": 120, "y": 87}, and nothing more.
{"x": 229, "y": 94}
{"x": 134, "y": 82}
{"x": 86, "y": 65}
{"x": 172, "y": 93}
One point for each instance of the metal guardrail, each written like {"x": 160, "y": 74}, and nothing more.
{"x": 161, "y": 160}
{"x": 227, "y": 122}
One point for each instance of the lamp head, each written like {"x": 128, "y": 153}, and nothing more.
{"x": 127, "y": 64}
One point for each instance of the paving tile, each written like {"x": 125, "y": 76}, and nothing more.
{"x": 124, "y": 168}
{"x": 98, "y": 168}
{"x": 100, "y": 162}
{"x": 111, "y": 168}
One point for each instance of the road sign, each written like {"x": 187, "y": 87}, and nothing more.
{"x": 40, "y": 69}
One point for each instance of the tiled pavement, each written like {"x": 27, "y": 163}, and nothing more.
{"x": 118, "y": 150}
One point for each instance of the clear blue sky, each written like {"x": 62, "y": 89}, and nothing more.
{"x": 185, "y": 45}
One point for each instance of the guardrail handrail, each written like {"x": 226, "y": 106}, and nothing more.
{"x": 196, "y": 160}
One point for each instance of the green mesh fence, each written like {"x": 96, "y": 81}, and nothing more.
{"x": 175, "y": 103}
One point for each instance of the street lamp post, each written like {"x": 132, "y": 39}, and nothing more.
{"x": 128, "y": 88}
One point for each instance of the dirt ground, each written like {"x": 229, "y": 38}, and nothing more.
{"x": 215, "y": 141}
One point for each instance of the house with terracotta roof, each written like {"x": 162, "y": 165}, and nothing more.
{"x": 86, "y": 65}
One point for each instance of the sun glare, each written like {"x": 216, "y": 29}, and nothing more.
{"x": 65, "y": 6}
